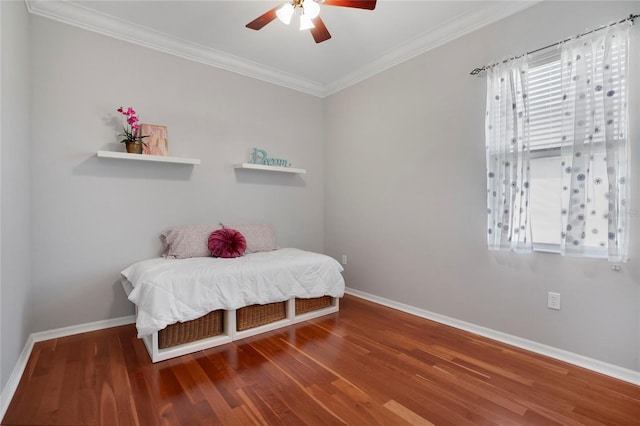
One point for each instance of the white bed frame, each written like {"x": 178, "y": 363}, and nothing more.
{"x": 230, "y": 334}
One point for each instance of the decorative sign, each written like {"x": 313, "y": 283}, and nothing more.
{"x": 259, "y": 156}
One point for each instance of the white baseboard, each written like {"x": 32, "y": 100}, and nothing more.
{"x": 12, "y": 384}
{"x": 82, "y": 328}
{"x": 611, "y": 370}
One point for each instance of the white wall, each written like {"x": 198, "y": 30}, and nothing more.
{"x": 405, "y": 197}
{"x": 93, "y": 217}
{"x": 14, "y": 203}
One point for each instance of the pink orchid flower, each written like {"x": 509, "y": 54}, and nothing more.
{"x": 131, "y": 133}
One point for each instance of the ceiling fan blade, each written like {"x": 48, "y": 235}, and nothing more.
{"x": 263, "y": 19}
{"x": 319, "y": 32}
{"x": 358, "y": 4}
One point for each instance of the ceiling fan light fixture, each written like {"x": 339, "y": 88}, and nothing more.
{"x": 309, "y": 14}
{"x": 311, "y": 8}
{"x": 285, "y": 13}
{"x": 305, "y": 23}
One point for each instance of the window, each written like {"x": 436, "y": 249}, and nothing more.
{"x": 545, "y": 125}
{"x": 546, "y": 199}
{"x": 557, "y": 149}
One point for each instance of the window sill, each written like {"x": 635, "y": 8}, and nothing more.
{"x": 592, "y": 252}
{"x": 546, "y": 248}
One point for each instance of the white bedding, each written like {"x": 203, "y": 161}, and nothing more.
{"x": 171, "y": 290}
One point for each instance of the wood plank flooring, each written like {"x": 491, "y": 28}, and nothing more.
{"x": 367, "y": 365}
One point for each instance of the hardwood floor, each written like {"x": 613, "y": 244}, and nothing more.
{"x": 366, "y": 365}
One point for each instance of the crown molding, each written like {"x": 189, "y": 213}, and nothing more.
{"x": 88, "y": 19}
{"x": 430, "y": 39}
{"x": 82, "y": 17}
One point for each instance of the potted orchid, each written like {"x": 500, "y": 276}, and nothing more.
{"x": 131, "y": 134}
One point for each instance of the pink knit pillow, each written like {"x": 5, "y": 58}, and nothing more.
{"x": 227, "y": 243}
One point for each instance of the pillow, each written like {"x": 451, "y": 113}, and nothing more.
{"x": 187, "y": 241}
{"x": 227, "y": 243}
{"x": 259, "y": 236}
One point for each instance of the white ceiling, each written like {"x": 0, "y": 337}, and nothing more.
{"x": 363, "y": 42}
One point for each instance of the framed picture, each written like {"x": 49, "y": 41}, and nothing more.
{"x": 157, "y": 141}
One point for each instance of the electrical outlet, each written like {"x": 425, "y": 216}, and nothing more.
{"x": 553, "y": 300}
{"x": 344, "y": 259}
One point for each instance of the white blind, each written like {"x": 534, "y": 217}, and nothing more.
{"x": 545, "y": 109}
{"x": 545, "y": 99}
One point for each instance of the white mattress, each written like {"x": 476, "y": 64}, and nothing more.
{"x": 171, "y": 290}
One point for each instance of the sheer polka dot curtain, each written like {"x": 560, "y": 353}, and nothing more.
{"x": 594, "y": 143}
{"x": 507, "y": 154}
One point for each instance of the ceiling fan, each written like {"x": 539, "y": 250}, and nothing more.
{"x": 309, "y": 15}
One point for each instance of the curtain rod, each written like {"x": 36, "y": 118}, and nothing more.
{"x": 486, "y": 67}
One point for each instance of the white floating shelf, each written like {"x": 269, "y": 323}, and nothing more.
{"x": 269, "y": 168}
{"x": 145, "y": 157}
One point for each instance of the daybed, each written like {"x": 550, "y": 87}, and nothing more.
{"x": 189, "y": 304}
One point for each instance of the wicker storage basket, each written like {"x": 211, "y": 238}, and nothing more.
{"x": 190, "y": 331}
{"x": 257, "y": 315}
{"x": 308, "y": 305}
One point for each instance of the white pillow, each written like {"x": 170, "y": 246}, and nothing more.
{"x": 187, "y": 241}
{"x": 259, "y": 236}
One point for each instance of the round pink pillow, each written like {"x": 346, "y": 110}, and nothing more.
{"x": 227, "y": 243}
